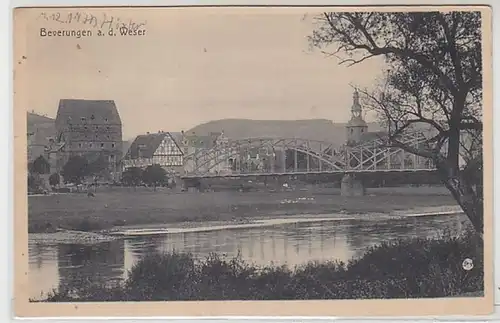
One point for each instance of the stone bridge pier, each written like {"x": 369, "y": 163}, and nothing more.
{"x": 190, "y": 184}
{"x": 352, "y": 185}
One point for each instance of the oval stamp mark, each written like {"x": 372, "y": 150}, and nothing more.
{"x": 467, "y": 264}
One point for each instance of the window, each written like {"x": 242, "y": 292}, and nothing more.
{"x": 112, "y": 145}
{"x": 106, "y": 119}
{"x": 79, "y": 145}
{"x": 90, "y": 145}
{"x": 102, "y": 145}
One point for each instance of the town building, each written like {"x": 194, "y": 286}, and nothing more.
{"x": 40, "y": 129}
{"x": 89, "y": 128}
{"x": 201, "y": 155}
{"x": 29, "y": 144}
{"x": 358, "y": 134}
{"x": 357, "y": 126}
{"x": 155, "y": 148}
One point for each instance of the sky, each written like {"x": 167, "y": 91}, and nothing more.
{"x": 193, "y": 65}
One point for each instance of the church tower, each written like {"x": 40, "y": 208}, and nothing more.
{"x": 356, "y": 127}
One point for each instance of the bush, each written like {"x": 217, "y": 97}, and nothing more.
{"x": 413, "y": 268}
{"x": 54, "y": 179}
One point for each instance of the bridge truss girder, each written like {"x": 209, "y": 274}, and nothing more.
{"x": 322, "y": 152}
{"x": 373, "y": 155}
{"x": 377, "y": 155}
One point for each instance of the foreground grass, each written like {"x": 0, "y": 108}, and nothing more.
{"x": 129, "y": 207}
{"x": 401, "y": 269}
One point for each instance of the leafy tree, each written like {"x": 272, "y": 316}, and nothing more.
{"x": 75, "y": 169}
{"x": 99, "y": 167}
{"x": 433, "y": 81}
{"x": 41, "y": 165}
{"x": 132, "y": 176}
{"x": 154, "y": 175}
{"x": 54, "y": 179}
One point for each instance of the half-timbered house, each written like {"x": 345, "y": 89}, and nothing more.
{"x": 155, "y": 148}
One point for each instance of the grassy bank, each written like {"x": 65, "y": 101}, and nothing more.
{"x": 400, "y": 269}
{"x": 127, "y": 206}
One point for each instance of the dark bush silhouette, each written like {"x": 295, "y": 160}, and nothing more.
{"x": 41, "y": 166}
{"x": 75, "y": 170}
{"x": 54, "y": 179}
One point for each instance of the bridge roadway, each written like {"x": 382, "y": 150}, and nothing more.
{"x": 323, "y": 172}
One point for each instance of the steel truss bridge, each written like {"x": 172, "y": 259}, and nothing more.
{"x": 288, "y": 156}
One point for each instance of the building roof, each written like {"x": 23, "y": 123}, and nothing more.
{"x": 197, "y": 141}
{"x": 357, "y": 122}
{"x": 79, "y": 111}
{"x": 370, "y": 136}
{"x": 147, "y": 145}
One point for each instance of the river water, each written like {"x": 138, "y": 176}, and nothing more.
{"x": 291, "y": 244}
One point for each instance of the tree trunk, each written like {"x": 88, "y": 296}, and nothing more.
{"x": 463, "y": 193}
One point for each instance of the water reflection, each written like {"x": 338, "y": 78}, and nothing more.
{"x": 80, "y": 265}
{"x": 291, "y": 244}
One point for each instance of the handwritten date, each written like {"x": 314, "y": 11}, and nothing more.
{"x": 103, "y": 21}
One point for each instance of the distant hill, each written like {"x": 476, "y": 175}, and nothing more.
{"x": 126, "y": 145}
{"x": 35, "y": 120}
{"x": 41, "y": 127}
{"x": 314, "y": 129}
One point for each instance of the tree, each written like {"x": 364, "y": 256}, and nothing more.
{"x": 154, "y": 175}
{"x": 132, "y": 176}
{"x": 433, "y": 81}
{"x": 41, "y": 165}
{"x": 99, "y": 167}
{"x": 75, "y": 170}
{"x": 54, "y": 179}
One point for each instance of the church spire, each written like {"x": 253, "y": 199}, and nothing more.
{"x": 356, "y": 106}
{"x": 356, "y": 127}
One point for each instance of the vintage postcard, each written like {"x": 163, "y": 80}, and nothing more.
{"x": 218, "y": 161}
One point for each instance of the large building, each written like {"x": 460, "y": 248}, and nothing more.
{"x": 89, "y": 128}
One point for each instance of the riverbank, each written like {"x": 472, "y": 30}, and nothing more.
{"x": 128, "y": 208}
{"x": 190, "y": 227}
{"x": 409, "y": 268}
{"x": 70, "y": 237}
{"x": 83, "y": 237}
